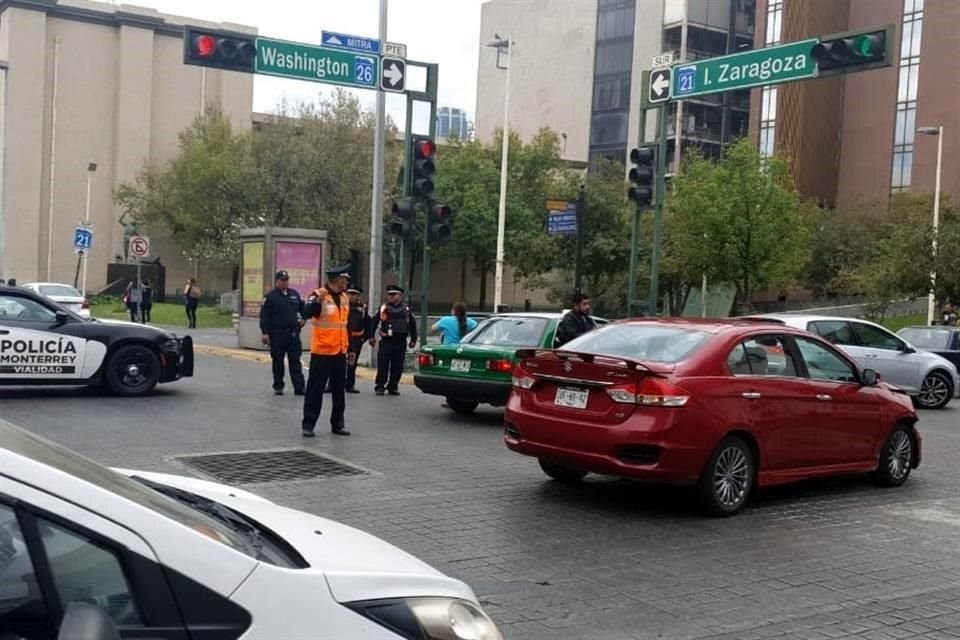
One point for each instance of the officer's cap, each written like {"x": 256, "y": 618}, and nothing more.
{"x": 353, "y": 289}
{"x": 340, "y": 271}
{"x": 282, "y": 275}
{"x": 392, "y": 288}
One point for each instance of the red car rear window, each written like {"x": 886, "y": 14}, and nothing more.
{"x": 649, "y": 342}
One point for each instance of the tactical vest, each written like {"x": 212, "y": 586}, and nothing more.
{"x": 393, "y": 320}
{"x": 329, "y": 334}
{"x": 356, "y": 322}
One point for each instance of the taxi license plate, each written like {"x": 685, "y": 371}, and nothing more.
{"x": 460, "y": 365}
{"x": 573, "y": 398}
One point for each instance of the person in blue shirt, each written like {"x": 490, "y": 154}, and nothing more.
{"x": 454, "y": 327}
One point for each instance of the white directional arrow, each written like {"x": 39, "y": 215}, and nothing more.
{"x": 660, "y": 84}
{"x": 393, "y": 74}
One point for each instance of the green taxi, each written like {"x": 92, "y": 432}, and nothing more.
{"x": 479, "y": 369}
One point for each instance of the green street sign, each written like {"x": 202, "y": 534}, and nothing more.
{"x": 317, "y": 64}
{"x": 759, "y": 67}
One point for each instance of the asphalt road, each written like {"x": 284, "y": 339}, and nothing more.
{"x": 607, "y": 560}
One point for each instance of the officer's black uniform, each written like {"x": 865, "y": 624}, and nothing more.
{"x": 397, "y": 325}
{"x": 359, "y": 327}
{"x": 280, "y": 317}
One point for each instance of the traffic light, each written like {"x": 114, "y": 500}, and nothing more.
{"x": 219, "y": 49}
{"x": 642, "y": 175}
{"x": 439, "y": 217}
{"x": 422, "y": 151}
{"x": 404, "y": 218}
{"x": 852, "y": 52}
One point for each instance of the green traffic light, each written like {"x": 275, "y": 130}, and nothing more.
{"x": 867, "y": 46}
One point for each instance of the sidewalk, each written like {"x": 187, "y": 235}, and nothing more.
{"x": 223, "y": 343}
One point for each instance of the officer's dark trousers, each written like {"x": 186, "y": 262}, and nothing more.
{"x": 286, "y": 344}
{"x": 322, "y": 370}
{"x": 356, "y": 345}
{"x": 390, "y": 362}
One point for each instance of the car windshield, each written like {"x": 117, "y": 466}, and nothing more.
{"x": 925, "y": 338}
{"x": 53, "y": 455}
{"x": 649, "y": 342}
{"x": 59, "y": 290}
{"x": 513, "y": 331}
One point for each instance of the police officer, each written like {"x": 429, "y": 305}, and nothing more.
{"x": 396, "y": 325}
{"x": 328, "y": 309}
{"x": 281, "y": 317}
{"x": 358, "y": 324}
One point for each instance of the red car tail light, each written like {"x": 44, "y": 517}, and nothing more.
{"x": 650, "y": 392}
{"x": 86, "y": 304}
{"x": 522, "y": 378}
{"x": 426, "y": 360}
{"x": 501, "y": 366}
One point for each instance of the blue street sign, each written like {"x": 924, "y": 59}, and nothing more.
{"x": 350, "y": 43}
{"x": 82, "y": 238}
{"x": 686, "y": 81}
{"x": 562, "y": 222}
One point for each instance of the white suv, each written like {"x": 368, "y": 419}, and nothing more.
{"x": 931, "y": 380}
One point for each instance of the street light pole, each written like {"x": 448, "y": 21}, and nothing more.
{"x": 91, "y": 169}
{"x": 502, "y": 45}
{"x": 376, "y": 202}
{"x": 932, "y": 296}
{"x": 3, "y": 153}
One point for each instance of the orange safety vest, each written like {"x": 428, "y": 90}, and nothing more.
{"x": 329, "y": 334}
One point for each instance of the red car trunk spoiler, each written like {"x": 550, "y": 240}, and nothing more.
{"x": 630, "y": 363}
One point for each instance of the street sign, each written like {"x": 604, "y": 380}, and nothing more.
{"x": 661, "y": 60}
{"x": 395, "y": 49}
{"x": 561, "y": 218}
{"x": 392, "y": 74}
{"x": 350, "y": 43}
{"x": 759, "y": 67}
{"x": 659, "y": 85}
{"x": 139, "y": 246}
{"x": 82, "y": 239}
{"x": 317, "y": 64}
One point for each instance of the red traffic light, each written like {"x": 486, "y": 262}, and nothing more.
{"x": 425, "y": 148}
{"x": 205, "y": 45}
{"x": 440, "y": 212}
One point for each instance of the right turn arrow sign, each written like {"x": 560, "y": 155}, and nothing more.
{"x": 392, "y": 71}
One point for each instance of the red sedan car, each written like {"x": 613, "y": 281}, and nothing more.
{"x": 720, "y": 405}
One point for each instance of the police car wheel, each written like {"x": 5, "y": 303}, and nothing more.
{"x": 132, "y": 370}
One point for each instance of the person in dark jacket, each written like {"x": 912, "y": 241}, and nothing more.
{"x": 191, "y": 300}
{"x": 575, "y": 322}
{"x": 281, "y": 317}
{"x": 358, "y": 324}
{"x": 146, "y": 301}
{"x": 397, "y": 325}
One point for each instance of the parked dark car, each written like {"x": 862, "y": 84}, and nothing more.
{"x": 943, "y": 341}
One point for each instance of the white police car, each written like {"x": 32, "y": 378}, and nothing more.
{"x": 175, "y": 558}
{"x": 44, "y": 343}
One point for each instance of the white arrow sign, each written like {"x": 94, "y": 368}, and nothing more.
{"x": 659, "y": 86}
{"x": 392, "y": 73}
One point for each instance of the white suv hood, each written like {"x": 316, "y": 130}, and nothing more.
{"x": 357, "y": 565}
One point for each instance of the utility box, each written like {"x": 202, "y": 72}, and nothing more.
{"x": 300, "y": 252}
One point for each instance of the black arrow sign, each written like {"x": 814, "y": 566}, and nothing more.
{"x": 659, "y": 85}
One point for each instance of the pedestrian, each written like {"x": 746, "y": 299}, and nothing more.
{"x": 146, "y": 301}
{"x": 454, "y": 327}
{"x": 191, "y": 300}
{"x": 281, "y": 318}
{"x": 948, "y": 315}
{"x": 131, "y": 298}
{"x": 328, "y": 310}
{"x": 358, "y": 324}
{"x": 575, "y": 322}
{"x": 397, "y": 325}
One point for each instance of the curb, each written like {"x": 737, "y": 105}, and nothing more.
{"x": 363, "y": 373}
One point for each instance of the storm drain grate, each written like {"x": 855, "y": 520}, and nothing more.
{"x": 248, "y": 467}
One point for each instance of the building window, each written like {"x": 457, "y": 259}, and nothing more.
{"x": 612, "y": 74}
{"x": 907, "y": 88}
{"x": 768, "y": 95}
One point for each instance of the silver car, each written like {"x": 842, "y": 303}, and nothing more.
{"x": 931, "y": 380}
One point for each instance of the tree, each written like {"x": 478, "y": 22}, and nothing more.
{"x": 740, "y": 220}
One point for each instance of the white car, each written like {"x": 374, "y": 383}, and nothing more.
{"x": 931, "y": 380}
{"x": 170, "y": 557}
{"x": 62, "y": 294}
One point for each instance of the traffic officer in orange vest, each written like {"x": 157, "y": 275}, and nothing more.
{"x": 328, "y": 309}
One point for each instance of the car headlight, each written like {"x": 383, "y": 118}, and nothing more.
{"x": 171, "y": 344}
{"x": 430, "y": 618}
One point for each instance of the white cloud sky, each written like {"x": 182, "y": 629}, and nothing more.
{"x": 441, "y": 31}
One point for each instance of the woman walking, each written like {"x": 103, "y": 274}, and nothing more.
{"x": 191, "y": 300}
{"x": 131, "y": 298}
{"x": 146, "y": 301}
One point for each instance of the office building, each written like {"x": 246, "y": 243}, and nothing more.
{"x": 91, "y": 82}
{"x": 854, "y": 136}
{"x": 453, "y": 123}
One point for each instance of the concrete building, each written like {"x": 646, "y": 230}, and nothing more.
{"x": 854, "y": 136}
{"x": 102, "y": 83}
{"x": 453, "y": 123}
{"x": 577, "y": 67}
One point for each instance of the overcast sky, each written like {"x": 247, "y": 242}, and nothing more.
{"x": 441, "y": 31}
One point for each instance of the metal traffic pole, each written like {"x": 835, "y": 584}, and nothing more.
{"x": 658, "y": 213}
{"x": 578, "y": 264}
{"x": 376, "y": 203}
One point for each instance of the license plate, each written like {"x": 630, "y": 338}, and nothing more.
{"x": 460, "y": 365}
{"x": 573, "y": 398}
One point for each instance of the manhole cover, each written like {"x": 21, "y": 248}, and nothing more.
{"x": 248, "y": 467}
